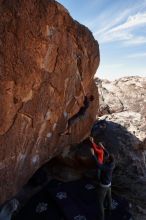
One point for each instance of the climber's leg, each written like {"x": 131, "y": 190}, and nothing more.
{"x": 109, "y": 200}
{"x": 101, "y": 193}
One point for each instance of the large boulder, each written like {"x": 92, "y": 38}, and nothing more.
{"x": 46, "y": 61}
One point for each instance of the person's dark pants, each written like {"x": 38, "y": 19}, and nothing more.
{"x": 103, "y": 193}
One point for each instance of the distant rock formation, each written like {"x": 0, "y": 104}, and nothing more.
{"x": 125, "y": 94}
{"x": 124, "y": 102}
{"x": 47, "y": 62}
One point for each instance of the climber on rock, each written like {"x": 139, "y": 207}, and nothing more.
{"x": 79, "y": 115}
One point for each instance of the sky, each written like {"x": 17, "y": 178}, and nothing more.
{"x": 119, "y": 26}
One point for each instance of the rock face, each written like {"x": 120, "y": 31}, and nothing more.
{"x": 45, "y": 58}
{"x": 124, "y": 101}
{"x": 125, "y": 94}
{"x": 123, "y": 104}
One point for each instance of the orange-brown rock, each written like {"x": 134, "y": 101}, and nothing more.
{"x": 44, "y": 54}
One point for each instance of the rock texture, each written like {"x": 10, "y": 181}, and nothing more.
{"x": 44, "y": 55}
{"x": 125, "y": 94}
{"x": 124, "y": 101}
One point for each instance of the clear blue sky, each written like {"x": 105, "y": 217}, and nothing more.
{"x": 120, "y": 28}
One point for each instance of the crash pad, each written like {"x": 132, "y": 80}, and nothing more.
{"x": 71, "y": 201}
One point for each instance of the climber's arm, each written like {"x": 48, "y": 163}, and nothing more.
{"x": 94, "y": 155}
{"x": 105, "y": 150}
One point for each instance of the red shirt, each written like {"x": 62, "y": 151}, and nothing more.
{"x": 99, "y": 152}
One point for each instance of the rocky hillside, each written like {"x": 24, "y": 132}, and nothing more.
{"x": 125, "y": 94}
{"x": 47, "y": 65}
